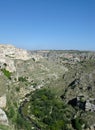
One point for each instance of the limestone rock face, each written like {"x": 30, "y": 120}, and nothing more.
{"x": 10, "y": 64}
{"x": 13, "y": 52}
{"x": 8, "y": 53}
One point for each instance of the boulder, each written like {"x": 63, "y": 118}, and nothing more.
{"x": 3, "y": 118}
{"x": 3, "y": 101}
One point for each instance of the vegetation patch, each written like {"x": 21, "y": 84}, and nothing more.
{"x": 2, "y": 127}
{"x": 77, "y": 123}
{"x": 22, "y": 79}
{"x": 6, "y": 73}
{"x": 47, "y": 111}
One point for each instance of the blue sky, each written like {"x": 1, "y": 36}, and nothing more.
{"x": 48, "y": 24}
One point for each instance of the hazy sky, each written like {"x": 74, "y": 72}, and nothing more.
{"x": 48, "y": 24}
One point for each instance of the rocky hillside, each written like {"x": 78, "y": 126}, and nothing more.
{"x": 43, "y": 89}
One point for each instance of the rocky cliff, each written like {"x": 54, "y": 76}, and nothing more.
{"x": 8, "y": 53}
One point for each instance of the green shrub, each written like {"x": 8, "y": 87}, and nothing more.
{"x": 22, "y": 123}
{"x": 6, "y": 73}
{"x": 17, "y": 89}
{"x": 77, "y": 123}
{"x": 22, "y": 79}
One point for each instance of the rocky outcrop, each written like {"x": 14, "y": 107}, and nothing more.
{"x": 3, "y": 118}
{"x": 3, "y": 101}
{"x": 8, "y": 53}
{"x": 83, "y": 103}
{"x": 89, "y": 106}
{"x": 13, "y": 52}
{"x": 9, "y": 64}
